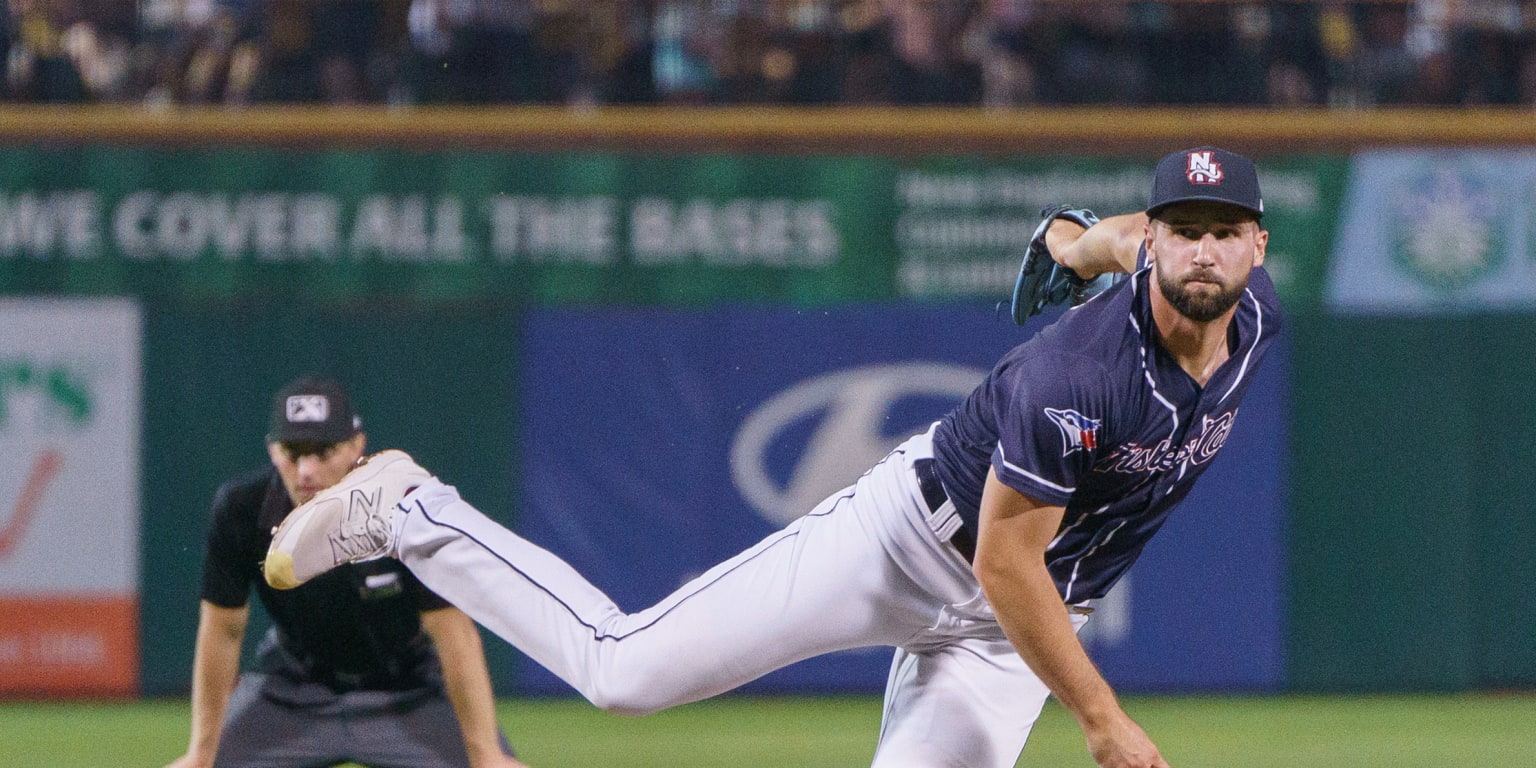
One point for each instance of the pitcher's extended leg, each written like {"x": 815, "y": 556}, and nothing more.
{"x": 824, "y": 583}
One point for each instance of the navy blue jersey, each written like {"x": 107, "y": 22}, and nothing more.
{"x": 1095, "y": 415}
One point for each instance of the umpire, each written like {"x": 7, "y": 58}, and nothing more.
{"x": 363, "y": 664}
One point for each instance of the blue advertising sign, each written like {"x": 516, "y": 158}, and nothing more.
{"x": 658, "y": 442}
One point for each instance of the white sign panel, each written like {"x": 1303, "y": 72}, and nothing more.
{"x": 69, "y": 447}
{"x": 1442, "y": 231}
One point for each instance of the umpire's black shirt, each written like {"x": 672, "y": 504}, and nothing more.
{"x": 354, "y": 629}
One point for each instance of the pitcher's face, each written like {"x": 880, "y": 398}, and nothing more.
{"x": 1202, "y": 253}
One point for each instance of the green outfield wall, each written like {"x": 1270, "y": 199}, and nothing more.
{"x": 438, "y": 381}
{"x": 1413, "y": 534}
{"x": 399, "y": 253}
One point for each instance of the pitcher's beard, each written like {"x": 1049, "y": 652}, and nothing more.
{"x": 1201, "y": 307}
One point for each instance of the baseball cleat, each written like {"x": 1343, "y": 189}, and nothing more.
{"x": 349, "y": 522}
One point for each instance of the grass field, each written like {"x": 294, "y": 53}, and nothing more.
{"x": 1485, "y": 731}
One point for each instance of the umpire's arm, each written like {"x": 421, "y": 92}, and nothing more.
{"x": 1111, "y": 245}
{"x": 1010, "y": 564}
{"x": 467, "y": 681}
{"x": 215, "y": 668}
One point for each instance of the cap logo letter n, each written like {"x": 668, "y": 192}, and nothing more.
{"x": 1203, "y": 169}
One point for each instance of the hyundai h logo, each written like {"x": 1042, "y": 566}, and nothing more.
{"x": 820, "y": 435}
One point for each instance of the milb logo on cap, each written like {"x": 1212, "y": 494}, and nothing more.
{"x": 308, "y": 408}
{"x": 1203, "y": 169}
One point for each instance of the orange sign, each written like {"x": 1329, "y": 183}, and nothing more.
{"x": 71, "y": 646}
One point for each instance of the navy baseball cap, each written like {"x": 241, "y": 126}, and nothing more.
{"x": 1209, "y": 174}
{"x": 311, "y": 409}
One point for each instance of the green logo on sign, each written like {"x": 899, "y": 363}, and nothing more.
{"x": 64, "y": 395}
{"x": 1446, "y": 230}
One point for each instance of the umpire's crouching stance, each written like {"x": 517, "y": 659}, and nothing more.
{"x": 364, "y": 664}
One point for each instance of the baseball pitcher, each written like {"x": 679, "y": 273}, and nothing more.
{"x": 976, "y": 549}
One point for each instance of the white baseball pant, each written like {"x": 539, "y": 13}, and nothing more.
{"x": 864, "y": 568}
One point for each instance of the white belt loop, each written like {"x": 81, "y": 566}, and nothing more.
{"x": 944, "y": 521}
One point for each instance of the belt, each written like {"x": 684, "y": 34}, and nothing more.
{"x": 962, "y": 539}
{"x": 928, "y": 482}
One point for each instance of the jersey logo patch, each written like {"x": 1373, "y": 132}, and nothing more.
{"x": 1078, "y": 432}
{"x": 1203, "y": 169}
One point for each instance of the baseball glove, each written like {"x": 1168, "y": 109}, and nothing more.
{"x": 1042, "y": 282}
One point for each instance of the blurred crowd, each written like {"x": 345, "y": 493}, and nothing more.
{"x": 863, "y": 52}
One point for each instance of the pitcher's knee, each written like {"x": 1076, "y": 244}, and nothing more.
{"x": 627, "y": 704}
{"x": 635, "y": 696}
{"x": 625, "y": 708}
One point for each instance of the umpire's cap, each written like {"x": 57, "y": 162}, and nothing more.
{"x": 311, "y": 409}
{"x": 1206, "y": 173}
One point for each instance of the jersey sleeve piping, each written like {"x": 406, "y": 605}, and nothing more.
{"x": 1258, "y": 322}
{"x": 1032, "y": 476}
